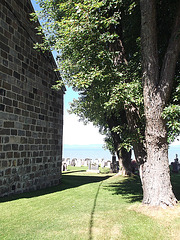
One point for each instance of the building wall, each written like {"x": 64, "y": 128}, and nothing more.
{"x": 31, "y": 113}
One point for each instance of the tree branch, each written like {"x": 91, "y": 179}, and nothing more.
{"x": 170, "y": 59}
{"x": 149, "y": 43}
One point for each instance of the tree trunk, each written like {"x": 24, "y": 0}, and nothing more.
{"x": 157, "y": 87}
{"x": 136, "y": 128}
{"x": 157, "y": 189}
{"x": 124, "y": 158}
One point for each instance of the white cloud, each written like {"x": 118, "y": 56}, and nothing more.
{"x": 176, "y": 142}
{"x": 76, "y": 133}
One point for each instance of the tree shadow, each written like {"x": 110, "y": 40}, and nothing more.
{"x": 67, "y": 182}
{"x": 175, "y": 180}
{"x": 130, "y": 188}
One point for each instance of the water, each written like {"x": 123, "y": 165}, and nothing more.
{"x": 82, "y": 153}
{"x": 96, "y": 151}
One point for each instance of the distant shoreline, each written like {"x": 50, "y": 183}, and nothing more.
{"x": 96, "y": 151}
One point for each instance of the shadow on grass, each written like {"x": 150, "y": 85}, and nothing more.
{"x": 130, "y": 188}
{"x": 67, "y": 182}
{"x": 73, "y": 171}
{"x": 175, "y": 180}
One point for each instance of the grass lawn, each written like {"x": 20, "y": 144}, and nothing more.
{"x": 88, "y": 206}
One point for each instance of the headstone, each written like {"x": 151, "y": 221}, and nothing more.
{"x": 114, "y": 166}
{"x": 96, "y": 161}
{"x": 108, "y": 164}
{"x": 89, "y": 165}
{"x": 175, "y": 165}
{"x": 68, "y": 161}
{"x": 85, "y": 163}
{"x": 102, "y": 164}
{"x": 64, "y": 167}
{"x": 78, "y": 163}
{"x": 93, "y": 167}
{"x": 73, "y": 162}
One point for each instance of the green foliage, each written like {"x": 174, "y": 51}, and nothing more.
{"x": 172, "y": 116}
{"x": 98, "y": 45}
{"x": 109, "y": 143}
{"x": 86, "y": 35}
{"x": 76, "y": 30}
{"x": 128, "y": 89}
{"x": 104, "y": 170}
{"x": 171, "y": 113}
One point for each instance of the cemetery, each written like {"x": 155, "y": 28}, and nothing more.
{"x": 42, "y": 195}
{"x": 92, "y": 164}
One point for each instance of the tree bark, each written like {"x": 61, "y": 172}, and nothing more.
{"x": 157, "y": 189}
{"x": 157, "y": 86}
{"x": 124, "y": 156}
{"x": 125, "y": 159}
{"x": 137, "y": 129}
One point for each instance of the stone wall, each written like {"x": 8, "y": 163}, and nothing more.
{"x": 31, "y": 113}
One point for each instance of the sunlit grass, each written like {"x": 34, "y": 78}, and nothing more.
{"x": 87, "y": 206}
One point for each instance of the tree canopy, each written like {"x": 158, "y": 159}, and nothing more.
{"x": 99, "y": 48}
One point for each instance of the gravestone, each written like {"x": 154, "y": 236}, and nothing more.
{"x": 89, "y": 165}
{"x": 68, "y": 161}
{"x": 87, "y": 162}
{"x": 108, "y": 164}
{"x": 175, "y": 165}
{"x": 93, "y": 167}
{"x": 73, "y": 162}
{"x": 102, "y": 163}
{"x": 114, "y": 165}
{"x": 64, "y": 166}
{"x": 78, "y": 163}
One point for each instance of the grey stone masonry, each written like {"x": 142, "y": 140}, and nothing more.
{"x": 31, "y": 112}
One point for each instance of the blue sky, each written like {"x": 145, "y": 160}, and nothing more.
{"x": 75, "y": 132}
{"x": 35, "y": 5}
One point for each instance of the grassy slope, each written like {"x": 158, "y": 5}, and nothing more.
{"x": 87, "y": 206}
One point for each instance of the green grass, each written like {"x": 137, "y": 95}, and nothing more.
{"x": 87, "y": 206}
